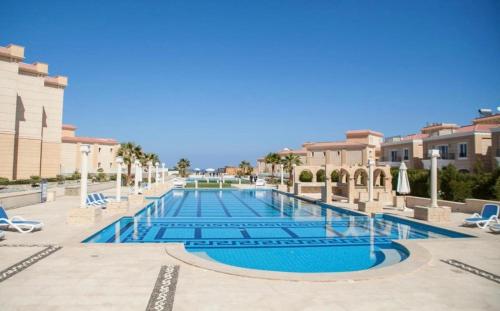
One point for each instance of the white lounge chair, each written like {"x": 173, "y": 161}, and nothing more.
{"x": 179, "y": 183}
{"x": 18, "y": 223}
{"x": 93, "y": 200}
{"x": 101, "y": 198}
{"x": 495, "y": 227}
{"x": 260, "y": 182}
{"x": 489, "y": 214}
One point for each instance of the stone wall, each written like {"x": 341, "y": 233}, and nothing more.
{"x": 470, "y": 205}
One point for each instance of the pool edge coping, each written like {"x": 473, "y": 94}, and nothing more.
{"x": 418, "y": 258}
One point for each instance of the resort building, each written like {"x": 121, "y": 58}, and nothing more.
{"x": 359, "y": 147}
{"x": 495, "y": 147}
{"x": 31, "y": 105}
{"x": 407, "y": 148}
{"x": 102, "y": 152}
{"x": 461, "y": 146}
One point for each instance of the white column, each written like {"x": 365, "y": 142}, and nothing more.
{"x": 84, "y": 149}
{"x": 150, "y": 168}
{"x": 434, "y": 154}
{"x": 163, "y": 173}
{"x": 140, "y": 177}
{"x": 136, "y": 177}
{"x": 370, "y": 180}
{"x": 281, "y": 173}
{"x": 196, "y": 183}
{"x": 119, "y": 161}
{"x": 157, "y": 173}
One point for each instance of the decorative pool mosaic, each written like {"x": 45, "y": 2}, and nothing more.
{"x": 267, "y": 230}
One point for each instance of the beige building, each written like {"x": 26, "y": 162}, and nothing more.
{"x": 102, "y": 152}
{"x": 31, "y": 104}
{"x": 407, "y": 148}
{"x": 495, "y": 147}
{"x": 461, "y": 146}
{"x": 359, "y": 147}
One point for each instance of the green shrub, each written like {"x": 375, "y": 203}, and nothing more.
{"x": 320, "y": 175}
{"x": 497, "y": 189}
{"x": 460, "y": 190}
{"x": 335, "y": 176}
{"x": 306, "y": 176}
{"x": 35, "y": 179}
{"x": 4, "y": 181}
{"x": 76, "y": 175}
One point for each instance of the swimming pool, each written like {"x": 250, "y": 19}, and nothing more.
{"x": 267, "y": 230}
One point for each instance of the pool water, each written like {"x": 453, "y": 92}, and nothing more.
{"x": 267, "y": 230}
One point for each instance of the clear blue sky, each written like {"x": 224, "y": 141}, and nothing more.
{"x": 223, "y": 81}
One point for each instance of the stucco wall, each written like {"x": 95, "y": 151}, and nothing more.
{"x": 30, "y": 111}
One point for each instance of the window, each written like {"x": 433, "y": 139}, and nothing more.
{"x": 110, "y": 164}
{"x": 99, "y": 149}
{"x": 406, "y": 154}
{"x": 462, "y": 150}
{"x": 99, "y": 165}
{"x": 394, "y": 156}
{"x": 443, "y": 151}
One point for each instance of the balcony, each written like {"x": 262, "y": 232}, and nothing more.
{"x": 392, "y": 162}
{"x": 444, "y": 160}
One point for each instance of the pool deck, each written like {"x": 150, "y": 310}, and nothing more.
{"x": 122, "y": 276}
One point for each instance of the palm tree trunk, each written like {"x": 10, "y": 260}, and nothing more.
{"x": 129, "y": 173}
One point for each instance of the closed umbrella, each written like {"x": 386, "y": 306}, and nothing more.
{"x": 403, "y": 183}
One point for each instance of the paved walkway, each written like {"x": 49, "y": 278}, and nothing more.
{"x": 122, "y": 276}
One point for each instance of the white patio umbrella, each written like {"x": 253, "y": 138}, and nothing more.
{"x": 210, "y": 170}
{"x": 403, "y": 183}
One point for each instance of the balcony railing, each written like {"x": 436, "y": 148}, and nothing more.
{"x": 498, "y": 152}
{"x": 444, "y": 156}
{"x": 390, "y": 159}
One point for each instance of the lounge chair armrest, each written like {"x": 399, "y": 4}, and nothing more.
{"x": 475, "y": 215}
{"x": 18, "y": 218}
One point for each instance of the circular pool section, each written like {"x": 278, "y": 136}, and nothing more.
{"x": 308, "y": 259}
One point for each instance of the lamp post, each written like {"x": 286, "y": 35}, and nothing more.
{"x": 85, "y": 150}
{"x": 434, "y": 154}
{"x": 119, "y": 162}
{"x": 136, "y": 176}
{"x": 163, "y": 173}
{"x": 370, "y": 180}
{"x": 150, "y": 167}
{"x": 157, "y": 174}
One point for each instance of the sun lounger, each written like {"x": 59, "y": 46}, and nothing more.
{"x": 260, "y": 182}
{"x": 489, "y": 214}
{"x": 495, "y": 227}
{"x": 93, "y": 200}
{"x": 18, "y": 223}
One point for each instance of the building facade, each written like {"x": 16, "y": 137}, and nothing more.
{"x": 31, "y": 105}
{"x": 359, "y": 147}
{"x": 102, "y": 152}
{"x": 407, "y": 148}
{"x": 464, "y": 147}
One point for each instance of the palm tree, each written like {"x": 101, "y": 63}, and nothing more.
{"x": 289, "y": 161}
{"x": 130, "y": 152}
{"x": 153, "y": 157}
{"x": 183, "y": 165}
{"x": 273, "y": 159}
{"x": 245, "y": 167}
